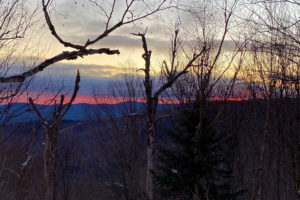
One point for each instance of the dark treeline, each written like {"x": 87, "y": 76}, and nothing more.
{"x": 217, "y": 119}
{"x": 105, "y": 159}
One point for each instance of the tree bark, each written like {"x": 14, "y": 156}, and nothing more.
{"x": 260, "y": 177}
{"x": 197, "y": 138}
{"x": 150, "y": 160}
{"x": 151, "y": 107}
{"x": 49, "y": 162}
{"x": 152, "y": 100}
{"x": 51, "y": 132}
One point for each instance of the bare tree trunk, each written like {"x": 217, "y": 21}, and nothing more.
{"x": 49, "y": 162}
{"x": 150, "y": 159}
{"x": 151, "y": 107}
{"x": 295, "y": 143}
{"x": 171, "y": 76}
{"x": 197, "y": 159}
{"x": 51, "y": 133}
{"x": 197, "y": 138}
{"x": 259, "y": 194}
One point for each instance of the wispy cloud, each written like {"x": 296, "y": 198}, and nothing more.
{"x": 62, "y": 76}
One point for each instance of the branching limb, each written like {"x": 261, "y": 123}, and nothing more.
{"x": 68, "y": 128}
{"x": 52, "y": 28}
{"x": 43, "y": 121}
{"x": 76, "y": 89}
{"x": 66, "y": 55}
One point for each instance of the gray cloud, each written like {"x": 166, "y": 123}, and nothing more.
{"x": 79, "y": 22}
{"x": 62, "y": 76}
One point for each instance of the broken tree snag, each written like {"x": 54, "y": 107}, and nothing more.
{"x": 51, "y": 132}
{"x": 16, "y": 19}
{"x": 170, "y": 76}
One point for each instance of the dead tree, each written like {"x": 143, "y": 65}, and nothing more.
{"x": 128, "y": 16}
{"x": 276, "y": 49}
{"x": 119, "y": 136}
{"x": 51, "y": 132}
{"x": 16, "y": 20}
{"x": 171, "y": 74}
{"x": 207, "y": 80}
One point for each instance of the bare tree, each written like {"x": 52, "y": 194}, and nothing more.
{"x": 127, "y": 16}
{"x": 16, "y": 20}
{"x": 120, "y": 138}
{"x": 276, "y": 76}
{"x": 208, "y": 79}
{"x": 68, "y": 164}
{"x": 171, "y": 73}
{"x": 51, "y": 132}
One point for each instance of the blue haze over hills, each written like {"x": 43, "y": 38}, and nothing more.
{"x": 22, "y": 112}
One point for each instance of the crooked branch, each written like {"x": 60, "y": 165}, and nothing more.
{"x": 66, "y": 55}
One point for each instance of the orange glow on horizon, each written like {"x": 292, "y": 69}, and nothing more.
{"x": 48, "y": 99}
{"x": 229, "y": 99}
{"x": 87, "y": 99}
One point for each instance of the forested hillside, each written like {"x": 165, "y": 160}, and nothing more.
{"x": 150, "y": 99}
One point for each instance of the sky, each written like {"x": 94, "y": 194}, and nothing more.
{"x": 77, "y": 21}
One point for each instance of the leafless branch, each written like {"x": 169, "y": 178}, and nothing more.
{"x": 66, "y": 55}
{"x": 68, "y": 128}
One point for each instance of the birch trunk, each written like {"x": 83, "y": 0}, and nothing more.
{"x": 49, "y": 163}
{"x": 150, "y": 160}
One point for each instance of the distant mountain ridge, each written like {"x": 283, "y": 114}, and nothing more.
{"x": 77, "y": 112}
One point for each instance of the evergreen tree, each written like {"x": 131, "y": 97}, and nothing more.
{"x": 178, "y": 172}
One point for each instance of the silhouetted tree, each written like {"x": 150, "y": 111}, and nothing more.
{"x": 51, "y": 132}
{"x": 171, "y": 72}
{"x": 178, "y": 171}
{"x": 119, "y": 138}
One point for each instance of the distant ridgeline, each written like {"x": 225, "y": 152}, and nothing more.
{"x": 22, "y": 112}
